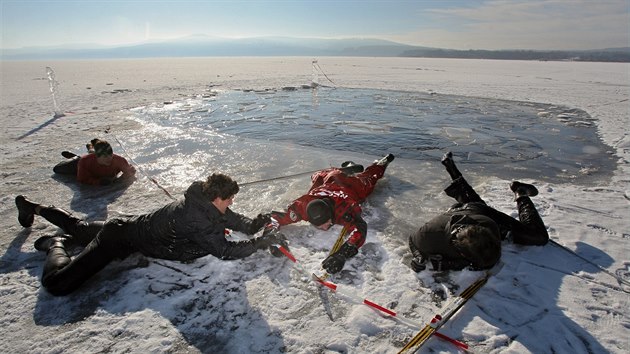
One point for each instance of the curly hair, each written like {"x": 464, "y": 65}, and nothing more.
{"x": 219, "y": 185}
{"x": 478, "y": 245}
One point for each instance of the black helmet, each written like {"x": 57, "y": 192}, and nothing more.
{"x": 319, "y": 211}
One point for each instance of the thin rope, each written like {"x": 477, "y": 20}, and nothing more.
{"x": 610, "y": 286}
{"x": 280, "y": 177}
{"x": 621, "y": 281}
{"x": 318, "y": 68}
{"x": 138, "y": 166}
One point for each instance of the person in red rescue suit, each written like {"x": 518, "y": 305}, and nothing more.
{"x": 100, "y": 167}
{"x": 334, "y": 198}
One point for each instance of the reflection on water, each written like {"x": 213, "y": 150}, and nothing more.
{"x": 508, "y": 139}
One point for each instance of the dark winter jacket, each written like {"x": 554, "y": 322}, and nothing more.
{"x": 191, "y": 228}
{"x": 433, "y": 241}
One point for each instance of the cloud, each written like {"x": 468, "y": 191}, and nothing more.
{"x": 549, "y": 24}
{"x": 147, "y": 30}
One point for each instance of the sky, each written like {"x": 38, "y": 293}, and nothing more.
{"x": 453, "y": 24}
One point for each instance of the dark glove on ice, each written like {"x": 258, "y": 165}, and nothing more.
{"x": 335, "y": 262}
{"x": 270, "y": 239}
{"x": 258, "y": 223}
{"x": 418, "y": 264}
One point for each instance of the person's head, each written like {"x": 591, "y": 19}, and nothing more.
{"x": 478, "y": 244}
{"x": 320, "y": 213}
{"x": 220, "y": 189}
{"x": 103, "y": 151}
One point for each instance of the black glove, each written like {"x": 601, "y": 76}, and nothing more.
{"x": 258, "y": 223}
{"x": 418, "y": 264}
{"x": 335, "y": 262}
{"x": 270, "y": 239}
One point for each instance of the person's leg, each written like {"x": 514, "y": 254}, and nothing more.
{"x": 363, "y": 184}
{"x": 68, "y": 167}
{"x": 82, "y": 232}
{"x": 459, "y": 189}
{"x": 531, "y": 229}
{"x": 62, "y": 275}
{"x": 449, "y": 164}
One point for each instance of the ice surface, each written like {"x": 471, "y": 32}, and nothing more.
{"x": 543, "y": 300}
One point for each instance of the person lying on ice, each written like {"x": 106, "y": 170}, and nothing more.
{"x": 100, "y": 167}
{"x": 469, "y": 234}
{"x": 334, "y": 198}
{"x": 182, "y": 231}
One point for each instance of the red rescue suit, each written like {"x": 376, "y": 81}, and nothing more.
{"x": 344, "y": 192}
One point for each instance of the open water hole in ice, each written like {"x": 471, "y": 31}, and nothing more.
{"x": 506, "y": 139}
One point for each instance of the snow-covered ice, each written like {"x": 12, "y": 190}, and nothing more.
{"x": 543, "y": 300}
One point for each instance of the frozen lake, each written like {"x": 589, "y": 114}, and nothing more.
{"x": 506, "y": 139}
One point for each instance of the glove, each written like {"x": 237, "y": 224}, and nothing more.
{"x": 270, "y": 239}
{"x": 418, "y": 264}
{"x": 258, "y": 223}
{"x": 335, "y": 262}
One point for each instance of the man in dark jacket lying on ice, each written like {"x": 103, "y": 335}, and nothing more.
{"x": 469, "y": 234}
{"x": 182, "y": 231}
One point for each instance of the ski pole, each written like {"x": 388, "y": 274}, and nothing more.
{"x": 351, "y": 295}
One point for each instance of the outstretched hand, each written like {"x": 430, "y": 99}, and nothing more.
{"x": 271, "y": 239}
{"x": 259, "y": 222}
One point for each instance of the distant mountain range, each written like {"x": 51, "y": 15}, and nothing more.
{"x": 208, "y": 46}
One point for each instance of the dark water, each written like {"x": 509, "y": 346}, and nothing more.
{"x": 508, "y": 139}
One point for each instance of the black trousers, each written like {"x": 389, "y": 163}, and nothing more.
{"x": 103, "y": 243}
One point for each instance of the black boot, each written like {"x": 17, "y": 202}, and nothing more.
{"x": 522, "y": 190}
{"x": 385, "y": 160}
{"x": 67, "y": 167}
{"x": 26, "y": 210}
{"x": 350, "y": 168}
{"x": 68, "y": 154}
{"x": 534, "y": 231}
{"x": 447, "y": 161}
